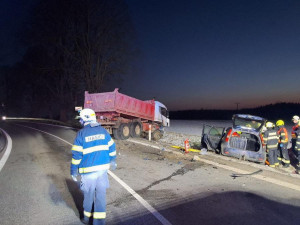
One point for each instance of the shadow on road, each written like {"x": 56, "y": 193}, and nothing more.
{"x": 229, "y": 208}
{"x": 77, "y": 195}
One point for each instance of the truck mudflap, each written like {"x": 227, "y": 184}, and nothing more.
{"x": 259, "y": 157}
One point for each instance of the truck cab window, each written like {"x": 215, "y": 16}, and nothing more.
{"x": 164, "y": 112}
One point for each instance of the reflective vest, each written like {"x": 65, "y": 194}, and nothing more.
{"x": 283, "y": 135}
{"x": 271, "y": 139}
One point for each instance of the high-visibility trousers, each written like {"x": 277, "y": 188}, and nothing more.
{"x": 283, "y": 154}
{"x": 273, "y": 157}
{"x": 93, "y": 186}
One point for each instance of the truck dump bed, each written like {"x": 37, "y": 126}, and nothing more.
{"x": 116, "y": 102}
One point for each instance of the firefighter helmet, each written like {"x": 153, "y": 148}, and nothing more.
{"x": 295, "y": 118}
{"x": 269, "y": 125}
{"x": 87, "y": 115}
{"x": 279, "y": 123}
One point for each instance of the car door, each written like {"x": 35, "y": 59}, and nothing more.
{"x": 212, "y": 136}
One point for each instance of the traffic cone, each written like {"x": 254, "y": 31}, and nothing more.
{"x": 186, "y": 146}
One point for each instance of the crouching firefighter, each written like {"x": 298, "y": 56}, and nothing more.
{"x": 282, "y": 154}
{"x": 93, "y": 153}
{"x": 271, "y": 140}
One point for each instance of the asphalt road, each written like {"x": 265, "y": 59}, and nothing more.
{"x": 35, "y": 185}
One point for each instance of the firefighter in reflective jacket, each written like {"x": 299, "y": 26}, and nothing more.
{"x": 271, "y": 140}
{"x": 283, "y": 155}
{"x": 295, "y": 128}
{"x": 93, "y": 153}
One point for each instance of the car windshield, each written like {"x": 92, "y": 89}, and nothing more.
{"x": 242, "y": 122}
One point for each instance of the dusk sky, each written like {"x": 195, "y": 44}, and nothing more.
{"x": 202, "y": 54}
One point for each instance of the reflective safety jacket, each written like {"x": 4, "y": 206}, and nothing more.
{"x": 271, "y": 139}
{"x": 93, "y": 150}
{"x": 283, "y": 135}
{"x": 294, "y": 131}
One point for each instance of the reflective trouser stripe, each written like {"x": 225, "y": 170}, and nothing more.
{"x": 87, "y": 214}
{"x": 272, "y": 165}
{"x": 279, "y": 158}
{"x": 286, "y": 161}
{"x": 99, "y": 215}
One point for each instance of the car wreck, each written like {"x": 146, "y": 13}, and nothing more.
{"x": 243, "y": 140}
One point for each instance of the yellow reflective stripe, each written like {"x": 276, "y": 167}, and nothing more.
{"x": 94, "y": 168}
{"x": 271, "y": 134}
{"x": 77, "y": 148}
{"x": 87, "y": 214}
{"x": 286, "y": 161}
{"x": 110, "y": 143}
{"x": 272, "y": 165}
{"x": 272, "y": 146}
{"x": 95, "y": 149}
{"x": 279, "y": 158}
{"x": 273, "y": 137}
{"x": 113, "y": 153}
{"x": 76, "y": 161}
{"x": 298, "y": 143}
{"x": 99, "y": 215}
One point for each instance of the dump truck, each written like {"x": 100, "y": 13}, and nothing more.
{"x": 124, "y": 116}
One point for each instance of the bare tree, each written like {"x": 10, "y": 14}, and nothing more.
{"x": 80, "y": 43}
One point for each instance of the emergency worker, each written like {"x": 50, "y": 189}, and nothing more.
{"x": 93, "y": 153}
{"x": 282, "y": 154}
{"x": 271, "y": 140}
{"x": 295, "y": 128}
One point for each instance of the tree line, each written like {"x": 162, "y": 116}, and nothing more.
{"x": 71, "y": 46}
{"x": 271, "y": 112}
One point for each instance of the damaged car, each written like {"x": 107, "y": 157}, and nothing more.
{"x": 243, "y": 140}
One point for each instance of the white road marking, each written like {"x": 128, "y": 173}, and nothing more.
{"x": 257, "y": 176}
{"x": 152, "y": 210}
{"x": 7, "y": 150}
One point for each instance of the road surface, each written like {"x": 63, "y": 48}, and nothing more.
{"x": 152, "y": 185}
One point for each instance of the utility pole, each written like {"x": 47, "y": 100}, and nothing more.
{"x": 237, "y": 106}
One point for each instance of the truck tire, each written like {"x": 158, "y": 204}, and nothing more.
{"x": 116, "y": 133}
{"x": 156, "y": 135}
{"x": 135, "y": 129}
{"x": 124, "y": 131}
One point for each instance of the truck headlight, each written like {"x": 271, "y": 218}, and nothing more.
{"x": 3, "y": 117}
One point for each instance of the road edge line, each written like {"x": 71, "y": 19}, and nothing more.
{"x": 7, "y": 151}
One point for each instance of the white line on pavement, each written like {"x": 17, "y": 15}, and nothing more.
{"x": 152, "y": 210}
{"x": 257, "y": 176}
{"x": 7, "y": 150}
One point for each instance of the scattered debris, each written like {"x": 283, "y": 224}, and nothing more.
{"x": 196, "y": 158}
{"x": 246, "y": 174}
{"x": 203, "y": 151}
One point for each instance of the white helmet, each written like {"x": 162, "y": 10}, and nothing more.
{"x": 88, "y": 115}
{"x": 295, "y": 118}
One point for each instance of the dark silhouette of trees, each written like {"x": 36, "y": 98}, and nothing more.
{"x": 72, "y": 46}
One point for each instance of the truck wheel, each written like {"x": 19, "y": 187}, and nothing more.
{"x": 116, "y": 133}
{"x": 124, "y": 131}
{"x": 135, "y": 129}
{"x": 156, "y": 135}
